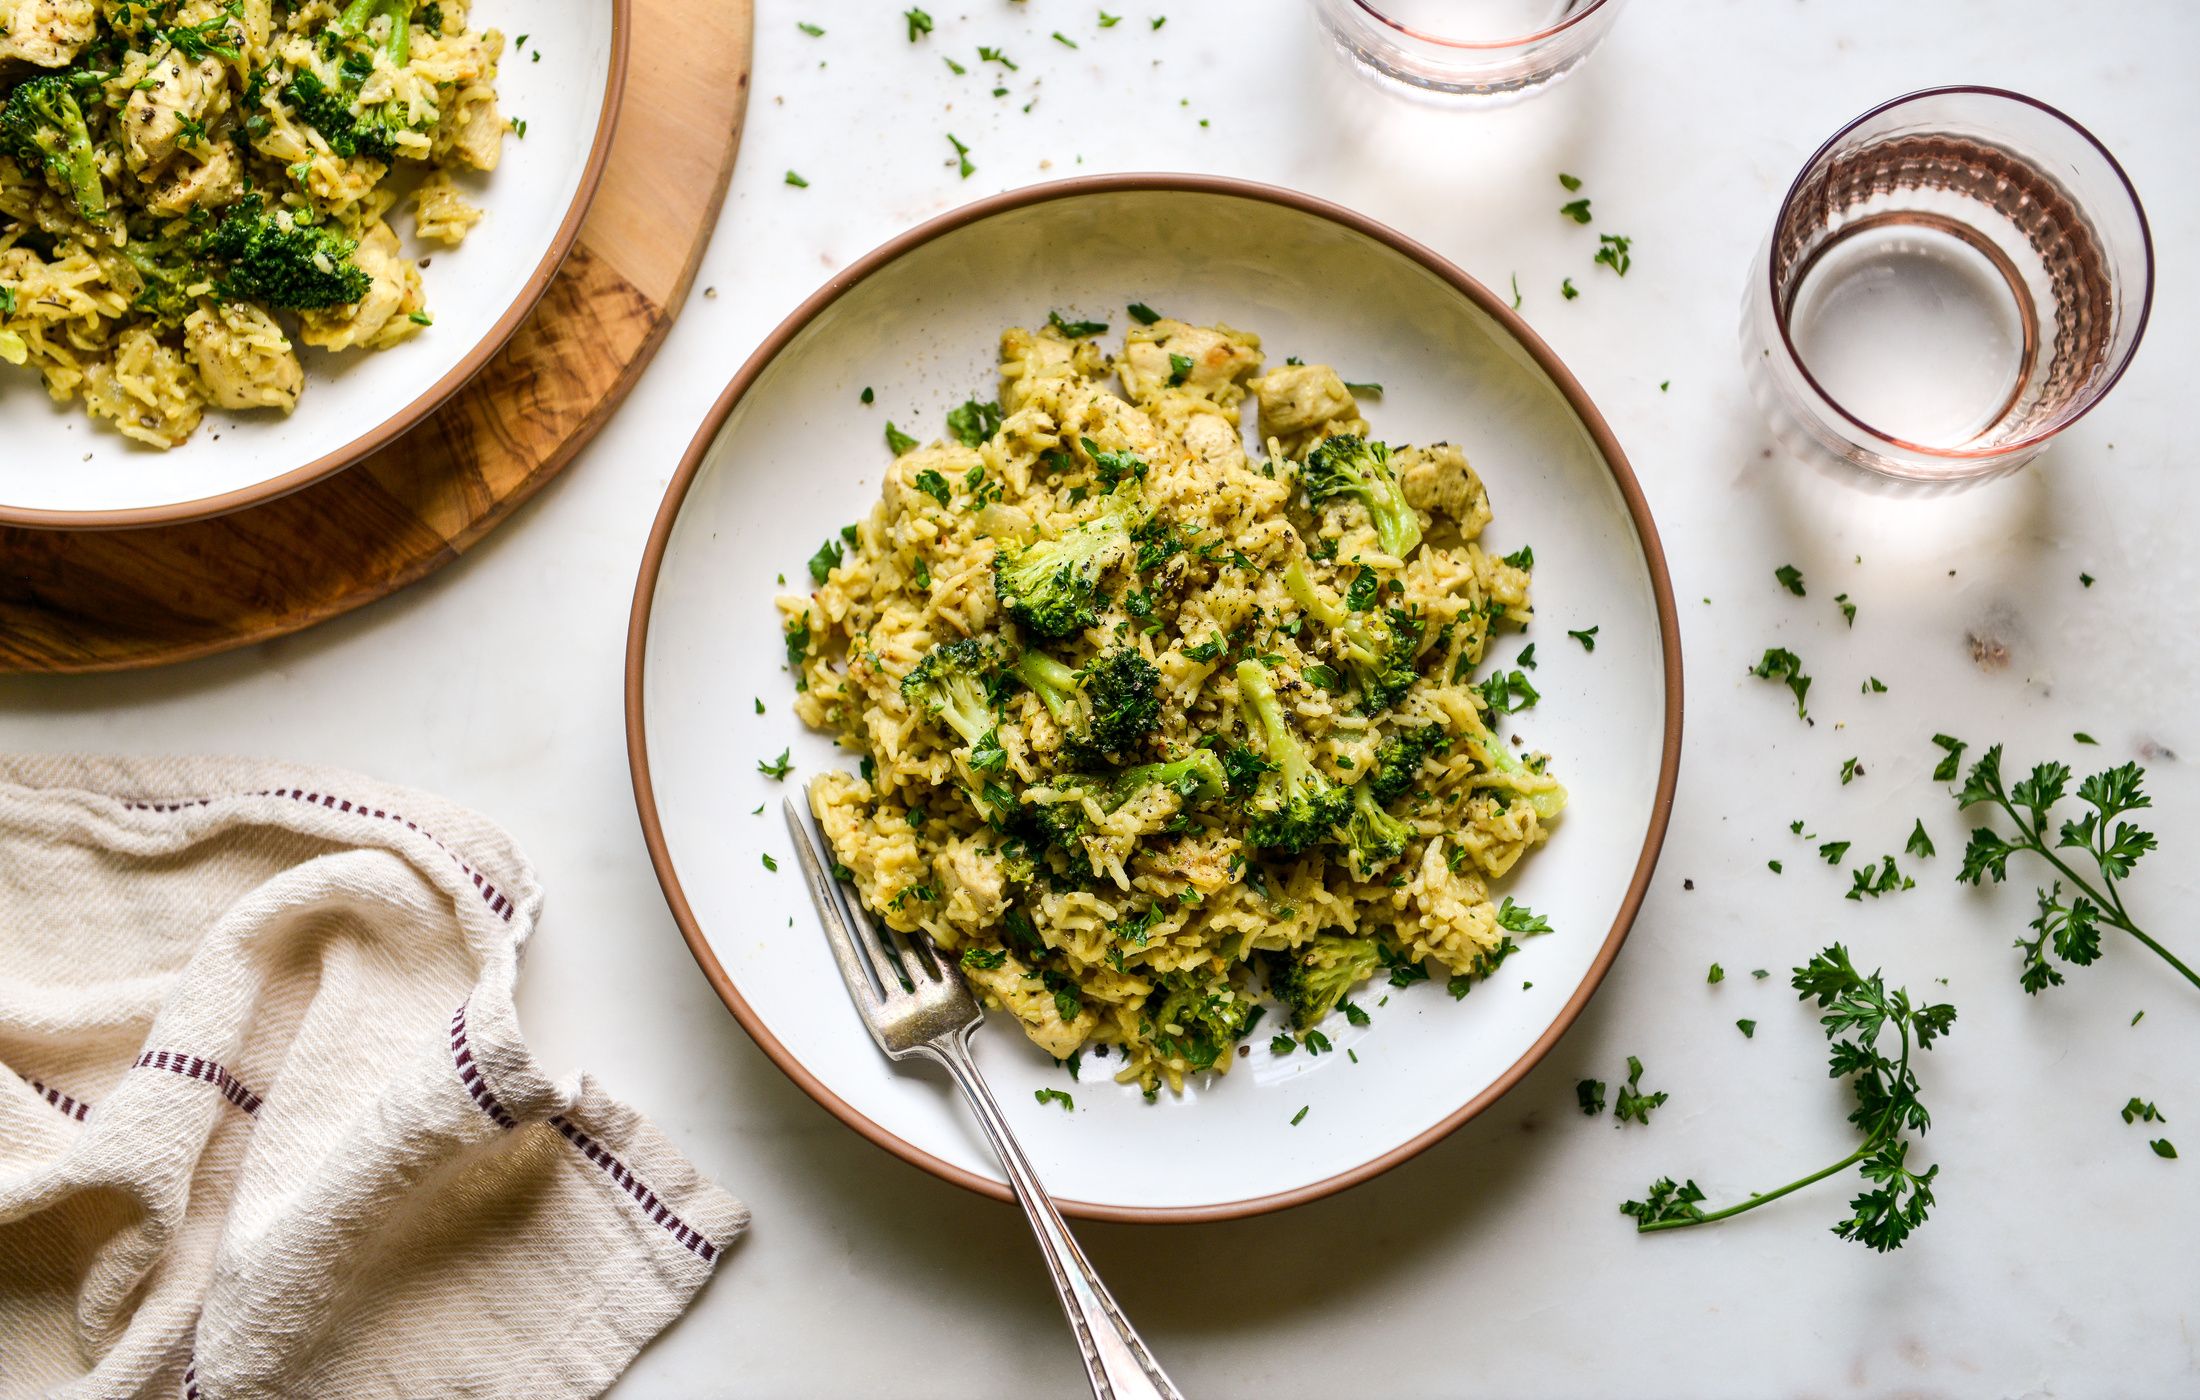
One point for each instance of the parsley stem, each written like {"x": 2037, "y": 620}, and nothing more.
{"x": 2110, "y": 904}
{"x": 1881, "y": 1131}
{"x": 1755, "y": 1201}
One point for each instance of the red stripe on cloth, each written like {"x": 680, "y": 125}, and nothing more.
{"x": 498, "y": 905}
{"x": 469, "y": 1073}
{"x": 654, "y": 1208}
{"x": 70, "y": 1107}
{"x": 204, "y": 1070}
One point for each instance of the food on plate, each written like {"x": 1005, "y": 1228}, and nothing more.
{"x": 1153, "y": 729}
{"x": 189, "y": 189}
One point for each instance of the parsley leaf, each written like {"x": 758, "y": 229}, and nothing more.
{"x": 1060, "y": 1096}
{"x": 1780, "y": 664}
{"x": 898, "y": 442}
{"x": 1632, "y": 1105}
{"x": 1577, "y": 210}
{"x": 821, "y": 563}
{"x": 1075, "y": 330}
{"x": 1859, "y": 1011}
{"x": 1588, "y": 639}
{"x": 1143, "y": 314}
{"x": 1791, "y": 578}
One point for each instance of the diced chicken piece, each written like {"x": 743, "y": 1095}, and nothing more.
{"x": 1295, "y": 399}
{"x": 208, "y": 184}
{"x": 243, "y": 357}
{"x": 381, "y": 317}
{"x": 1437, "y": 479}
{"x": 1211, "y": 361}
{"x": 973, "y": 883}
{"x": 153, "y": 119}
{"x": 1213, "y": 441}
{"x": 47, "y": 33}
{"x": 478, "y": 136}
{"x": 950, "y": 460}
{"x": 1026, "y": 997}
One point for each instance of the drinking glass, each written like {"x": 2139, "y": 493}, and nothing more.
{"x": 1467, "y": 53}
{"x": 1953, "y": 279}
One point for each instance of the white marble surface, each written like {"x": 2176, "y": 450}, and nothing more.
{"x": 2061, "y": 1259}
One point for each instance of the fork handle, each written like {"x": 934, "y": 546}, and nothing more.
{"x": 1117, "y": 1363}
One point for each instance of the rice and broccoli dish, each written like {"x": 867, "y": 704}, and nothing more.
{"x": 1154, "y": 731}
{"x": 185, "y": 185}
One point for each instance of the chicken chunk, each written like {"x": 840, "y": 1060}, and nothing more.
{"x": 1015, "y": 990}
{"x": 1437, "y": 479}
{"x": 47, "y": 33}
{"x": 1297, "y": 399}
{"x": 153, "y": 120}
{"x": 973, "y": 882}
{"x": 1211, "y": 361}
{"x": 383, "y": 316}
{"x": 478, "y": 136}
{"x": 207, "y": 184}
{"x": 244, "y": 358}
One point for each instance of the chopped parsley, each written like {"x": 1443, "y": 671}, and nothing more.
{"x": 920, "y": 24}
{"x": 1060, "y": 1096}
{"x": 1143, "y": 314}
{"x": 1780, "y": 664}
{"x": 810, "y": 29}
{"x": 962, "y": 156}
{"x": 1717, "y": 974}
{"x": 1919, "y": 843}
{"x": 1632, "y": 1105}
{"x": 794, "y": 178}
{"x": 1612, "y": 251}
{"x": 1848, "y": 609}
{"x": 1588, "y": 638}
{"x": 1791, "y": 578}
{"x": 1567, "y": 289}
{"x": 898, "y": 442}
{"x": 769, "y": 863}
{"x": 1075, "y": 330}
{"x": 1571, "y": 182}
{"x": 1064, "y": 40}
{"x": 1300, "y": 1116}
{"x": 1851, "y": 770}
{"x": 1589, "y": 1093}
{"x": 1577, "y": 210}
{"x": 930, "y": 482}
{"x": 1180, "y": 368}
{"x": 1950, "y": 765}
{"x": 822, "y": 563}
{"x": 1748, "y": 1029}
{"x": 1834, "y": 851}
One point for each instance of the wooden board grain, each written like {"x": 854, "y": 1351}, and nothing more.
{"x": 120, "y": 599}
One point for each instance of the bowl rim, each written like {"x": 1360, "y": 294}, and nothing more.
{"x": 1212, "y": 185}
{"x": 382, "y": 434}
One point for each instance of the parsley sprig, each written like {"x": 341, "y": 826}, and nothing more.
{"x": 1858, "y": 1010}
{"x": 2071, "y": 929}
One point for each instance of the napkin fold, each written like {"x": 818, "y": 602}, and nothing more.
{"x": 268, "y": 1126}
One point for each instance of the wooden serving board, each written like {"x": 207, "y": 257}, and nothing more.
{"x": 120, "y": 599}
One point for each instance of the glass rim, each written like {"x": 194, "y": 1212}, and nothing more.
{"x": 1482, "y": 44}
{"x": 2099, "y": 392}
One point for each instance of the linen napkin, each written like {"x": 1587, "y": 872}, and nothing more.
{"x": 267, "y": 1123}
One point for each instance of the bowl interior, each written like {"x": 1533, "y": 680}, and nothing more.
{"x": 54, "y": 458}
{"x": 800, "y": 456}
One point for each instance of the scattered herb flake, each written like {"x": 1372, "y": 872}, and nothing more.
{"x": 1060, "y": 1096}
{"x": 1577, "y": 210}
{"x": 1748, "y": 1029}
{"x": 778, "y": 768}
{"x": 1780, "y": 664}
{"x": 1919, "y": 844}
{"x": 1791, "y": 578}
{"x": 1588, "y": 638}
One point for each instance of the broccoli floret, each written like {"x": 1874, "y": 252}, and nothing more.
{"x": 1197, "y": 1019}
{"x": 328, "y": 100}
{"x": 1049, "y": 585}
{"x": 43, "y": 127}
{"x": 1548, "y": 802}
{"x": 1371, "y": 837}
{"x": 1103, "y": 710}
{"x": 1312, "y": 979}
{"x": 270, "y": 259}
{"x": 1124, "y": 689}
{"x": 165, "y": 281}
{"x": 1294, "y": 806}
{"x": 1378, "y": 648}
{"x": 1398, "y": 760}
{"x": 1198, "y": 778}
{"x": 1065, "y": 826}
{"x": 954, "y": 684}
{"x": 1352, "y": 466}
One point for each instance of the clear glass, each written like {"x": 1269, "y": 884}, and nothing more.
{"x": 1466, "y": 53}
{"x": 1953, "y": 279}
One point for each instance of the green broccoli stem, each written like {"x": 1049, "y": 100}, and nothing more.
{"x": 1054, "y": 683}
{"x": 1280, "y": 745}
{"x": 2110, "y": 904}
{"x": 1304, "y": 593}
{"x": 91, "y": 198}
{"x": 1873, "y": 1141}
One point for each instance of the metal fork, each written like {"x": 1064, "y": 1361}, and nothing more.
{"x": 918, "y": 1005}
